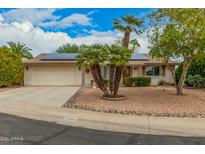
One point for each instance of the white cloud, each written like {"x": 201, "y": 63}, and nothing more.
{"x": 35, "y": 16}
{"x": 92, "y": 12}
{"x": 24, "y": 26}
{"x": 143, "y": 41}
{"x": 1, "y": 18}
{"x": 41, "y": 41}
{"x": 46, "y": 18}
{"x": 76, "y": 18}
{"x": 35, "y": 38}
{"x": 106, "y": 37}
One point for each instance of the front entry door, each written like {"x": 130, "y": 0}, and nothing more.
{"x": 126, "y": 72}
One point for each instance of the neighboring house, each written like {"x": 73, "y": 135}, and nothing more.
{"x": 61, "y": 69}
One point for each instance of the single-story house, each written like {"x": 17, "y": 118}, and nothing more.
{"x": 61, "y": 69}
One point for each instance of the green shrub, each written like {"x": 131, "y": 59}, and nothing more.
{"x": 137, "y": 81}
{"x": 162, "y": 82}
{"x": 11, "y": 68}
{"x": 190, "y": 80}
{"x": 197, "y": 67}
{"x": 203, "y": 83}
{"x": 196, "y": 80}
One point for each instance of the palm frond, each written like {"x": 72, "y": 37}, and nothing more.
{"x": 21, "y": 49}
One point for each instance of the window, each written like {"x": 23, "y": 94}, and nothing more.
{"x": 152, "y": 71}
{"x": 106, "y": 72}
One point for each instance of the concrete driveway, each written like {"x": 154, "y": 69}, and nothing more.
{"x": 54, "y": 96}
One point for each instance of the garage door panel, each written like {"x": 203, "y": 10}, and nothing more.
{"x": 54, "y": 75}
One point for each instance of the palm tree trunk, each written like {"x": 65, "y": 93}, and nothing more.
{"x": 98, "y": 82}
{"x": 100, "y": 78}
{"x": 118, "y": 75}
{"x": 120, "y": 68}
{"x": 111, "y": 78}
{"x": 83, "y": 77}
{"x": 126, "y": 39}
{"x": 180, "y": 84}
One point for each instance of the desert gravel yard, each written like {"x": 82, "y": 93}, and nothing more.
{"x": 157, "y": 101}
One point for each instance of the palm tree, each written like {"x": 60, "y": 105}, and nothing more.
{"x": 21, "y": 49}
{"x": 68, "y": 48}
{"x": 91, "y": 57}
{"x": 134, "y": 43}
{"x": 126, "y": 24}
{"x": 118, "y": 57}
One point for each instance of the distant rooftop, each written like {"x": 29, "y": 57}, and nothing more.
{"x": 72, "y": 56}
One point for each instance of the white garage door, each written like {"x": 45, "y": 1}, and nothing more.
{"x": 54, "y": 75}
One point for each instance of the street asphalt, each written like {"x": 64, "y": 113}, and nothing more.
{"x": 17, "y": 130}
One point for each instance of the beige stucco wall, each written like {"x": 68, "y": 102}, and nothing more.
{"x": 169, "y": 77}
{"x": 52, "y": 75}
{"x": 135, "y": 70}
{"x": 47, "y": 74}
{"x": 88, "y": 78}
{"x": 155, "y": 79}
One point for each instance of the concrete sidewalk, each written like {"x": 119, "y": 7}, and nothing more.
{"x": 107, "y": 121}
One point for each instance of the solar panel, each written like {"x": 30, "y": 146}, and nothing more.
{"x": 72, "y": 56}
{"x": 59, "y": 56}
{"x": 139, "y": 57}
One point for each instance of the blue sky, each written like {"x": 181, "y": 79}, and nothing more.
{"x": 101, "y": 18}
{"x": 60, "y": 26}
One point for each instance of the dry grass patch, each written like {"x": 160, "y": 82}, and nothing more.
{"x": 158, "y": 101}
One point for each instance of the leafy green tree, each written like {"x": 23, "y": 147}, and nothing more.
{"x": 11, "y": 68}
{"x": 68, "y": 48}
{"x": 197, "y": 67}
{"x": 177, "y": 33}
{"x": 21, "y": 49}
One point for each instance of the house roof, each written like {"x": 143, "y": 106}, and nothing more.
{"x": 70, "y": 58}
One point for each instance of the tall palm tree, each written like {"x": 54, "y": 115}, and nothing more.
{"x": 21, "y": 49}
{"x": 134, "y": 43}
{"x": 127, "y": 25}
